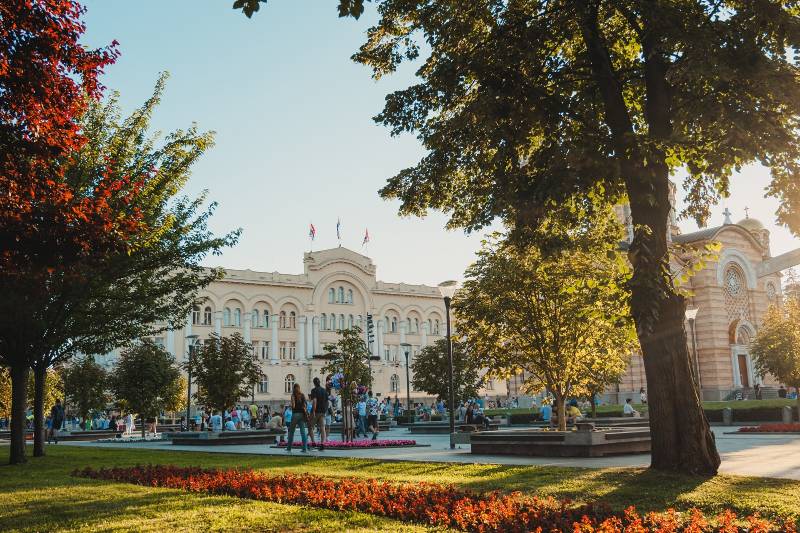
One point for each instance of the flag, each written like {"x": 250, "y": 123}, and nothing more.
{"x": 366, "y": 237}
{"x": 338, "y": 226}
{"x": 312, "y": 231}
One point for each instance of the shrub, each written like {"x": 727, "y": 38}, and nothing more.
{"x": 427, "y": 503}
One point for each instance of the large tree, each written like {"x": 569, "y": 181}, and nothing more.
{"x": 348, "y": 362}
{"x": 145, "y": 379}
{"x": 225, "y": 370}
{"x": 559, "y": 312}
{"x": 105, "y": 300}
{"x": 522, "y": 104}
{"x": 86, "y": 386}
{"x": 776, "y": 347}
{"x": 431, "y": 364}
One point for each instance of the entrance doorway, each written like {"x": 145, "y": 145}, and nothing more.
{"x": 744, "y": 375}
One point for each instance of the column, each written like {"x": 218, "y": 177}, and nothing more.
{"x": 248, "y": 319}
{"x": 381, "y": 350}
{"x": 301, "y": 338}
{"x": 315, "y": 326}
{"x": 218, "y": 322}
{"x": 273, "y": 346}
{"x": 424, "y": 334}
{"x": 171, "y": 343}
{"x": 309, "y": 336}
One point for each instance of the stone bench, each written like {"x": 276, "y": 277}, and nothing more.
{"x": 585, "y": 442}
{"x": 224, "y": 438}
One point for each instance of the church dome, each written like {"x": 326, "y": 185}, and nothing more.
{"x": 751, "y": 224}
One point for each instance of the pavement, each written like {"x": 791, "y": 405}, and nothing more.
{"x": 743, "y": 454}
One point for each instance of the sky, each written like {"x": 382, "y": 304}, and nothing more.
{"x": 295, "y": 140}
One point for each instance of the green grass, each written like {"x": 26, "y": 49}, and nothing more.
{"x": 41, "y": 495}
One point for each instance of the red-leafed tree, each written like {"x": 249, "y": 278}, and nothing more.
{"x": 47, "y": 79}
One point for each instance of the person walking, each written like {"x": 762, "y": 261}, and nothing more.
{"x": 361, "y": 408}
{"x": 319, "y": 409}
{"x": 56, "y": 419}
{"x": 372, "y": 417}
{"x": 299, "y": 414}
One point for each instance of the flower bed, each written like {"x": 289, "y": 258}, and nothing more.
{"x": 126, "y": 440}
{"x": 356, "y": 444}
{"x": 772, "y": 428}
{"x": 427, "y": 503}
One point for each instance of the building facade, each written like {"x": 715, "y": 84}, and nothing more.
{"x": 289, "y": 319}
{"x": 728, "y": 299}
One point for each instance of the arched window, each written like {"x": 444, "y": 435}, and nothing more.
{"x": 386, "y": 319}
{"x": 195, "y": 315}
{"x": 226, "y": 316}
{"x": 743, "y": 336}
{"x": 436, "y": 327}
{"x": 340, "y": 299}
{"x": 408, "y": 325}
{"x": 254, "y": 318}
{"x": 323, "y": 319}
{"x": 430, "y": 326}
{"x": 207, "y": 316}
{"x": 266, "y": 318}
{"x": 349, "y": 296}
{"x": 292, "y": 320}
{"x": 288, "y": 383}
{"x": 489, "y": 384}
{"x": 394, "y": 383}
{"x": 263, "y": 385}
{"x": 737, "y": 298}
{"x": 341, "y": 322}
{"x": 331, "y": 295}
{"x": 282, "y": 320}
{"x": 394, "y": 324}
{"x": 350, "y": 321}
{"x": 416, "y": 325}
{"x": 237, "y": 317}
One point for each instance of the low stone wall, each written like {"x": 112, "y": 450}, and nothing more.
{"x": 225, "y": 438}
{"x": 586, "y": 442}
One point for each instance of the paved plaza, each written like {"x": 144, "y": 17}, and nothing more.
{"x": 746, "y": 455}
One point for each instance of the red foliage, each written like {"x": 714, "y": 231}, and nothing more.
{"x": 426, "y": 503}
{"x": 45, "y": 78}
{"x": 772, "y": 428}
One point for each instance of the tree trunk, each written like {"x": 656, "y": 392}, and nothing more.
{"x": 682, "y": 440}
{"x": 561, "y": 410}
{"x": 39, "y": 381}
{"x": 19, "y": 403}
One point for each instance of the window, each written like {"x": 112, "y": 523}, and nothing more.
{"x": 207, "y": 316}
{"x": 331, "y": 295}
{"x": 771, "y": 292}
{"x": 743, "y": 336}
{"x": 350, "y": 296}
{"x": 264, "y": 350}
{"x": 237, "y": 317}
{"x": 394, "y": 324}
{"x": 408, "y": 325}
{"x": 737, "y": 298}
{"x": 394, "y": 383}
{"x": 341, "y": 322}
{"x": 350, "y": 321}
{"x": 416, "y": 325}
{"x": 340, "y": 299}
{"x": 226, "y": 316}
{"x": 323, "y": 322}
{"x": 436, "y": 327}
{"x": 282, "y": 320}
{"x": 195, "y": 315}
{"x": 386, "y": 319}
{"x": 489, "y": 384}
{"x": 254, "y": 318}
{"x": 430, "y": 326}
{"x": 292, "y": 350}
{"x": 288, "y": 383}
{"x": 283, "y": 349}
{"x": 263, "y": 385}
{"x": 266, "y": 318}
{"x": 292, "y": 320}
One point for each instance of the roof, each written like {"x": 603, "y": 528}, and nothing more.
{"x": 702, "y": 235}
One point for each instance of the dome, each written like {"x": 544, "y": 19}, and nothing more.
{"x": 751, "y": 224}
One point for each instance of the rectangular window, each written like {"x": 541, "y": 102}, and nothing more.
{"x": 292, "y": 350}
{"x": 265, "y": 350}
{"x": 283, "y": 349}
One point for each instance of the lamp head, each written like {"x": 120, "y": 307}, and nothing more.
{"x": 448, "y": 288}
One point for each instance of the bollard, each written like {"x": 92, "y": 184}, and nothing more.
{"x": 727, "y": 416}
{"x": 786, "y": 414}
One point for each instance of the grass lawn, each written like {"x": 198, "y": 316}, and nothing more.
{"x": 43, "y": 496}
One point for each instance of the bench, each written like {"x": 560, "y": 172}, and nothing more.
{"x": 224, "y": 438}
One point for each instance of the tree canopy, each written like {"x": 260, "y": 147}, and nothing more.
{"x": 776, "y": 346}
{"x": 561, "y": 315}
{"x": 225, "y": 370}
{"x": 348, "y": 363}
{"x": 144, "y": 379}
{"x": 86, "y": 386}
{"x": 431, "y": 365}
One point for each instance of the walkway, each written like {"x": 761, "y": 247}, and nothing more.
{"x": 746, "y": 455}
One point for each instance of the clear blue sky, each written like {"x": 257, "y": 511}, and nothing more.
{"x": 295, "y": 141}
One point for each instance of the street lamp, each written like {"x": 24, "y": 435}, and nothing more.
{"x": 448, "y": 290}
{"x": 193, "y": 340}
{"x": 691, "y": 315}
{"x": 406, "y": 348}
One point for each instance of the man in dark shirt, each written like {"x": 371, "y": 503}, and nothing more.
{"x": 319, "y": 406}
{"x": 57, "y": 419}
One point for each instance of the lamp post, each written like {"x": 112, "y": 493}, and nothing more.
{"x": 448, "y": 290}
{"x": 691, "y": 315}
{"x": 193, "y": 339}
{"x": 406, "y": 349}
